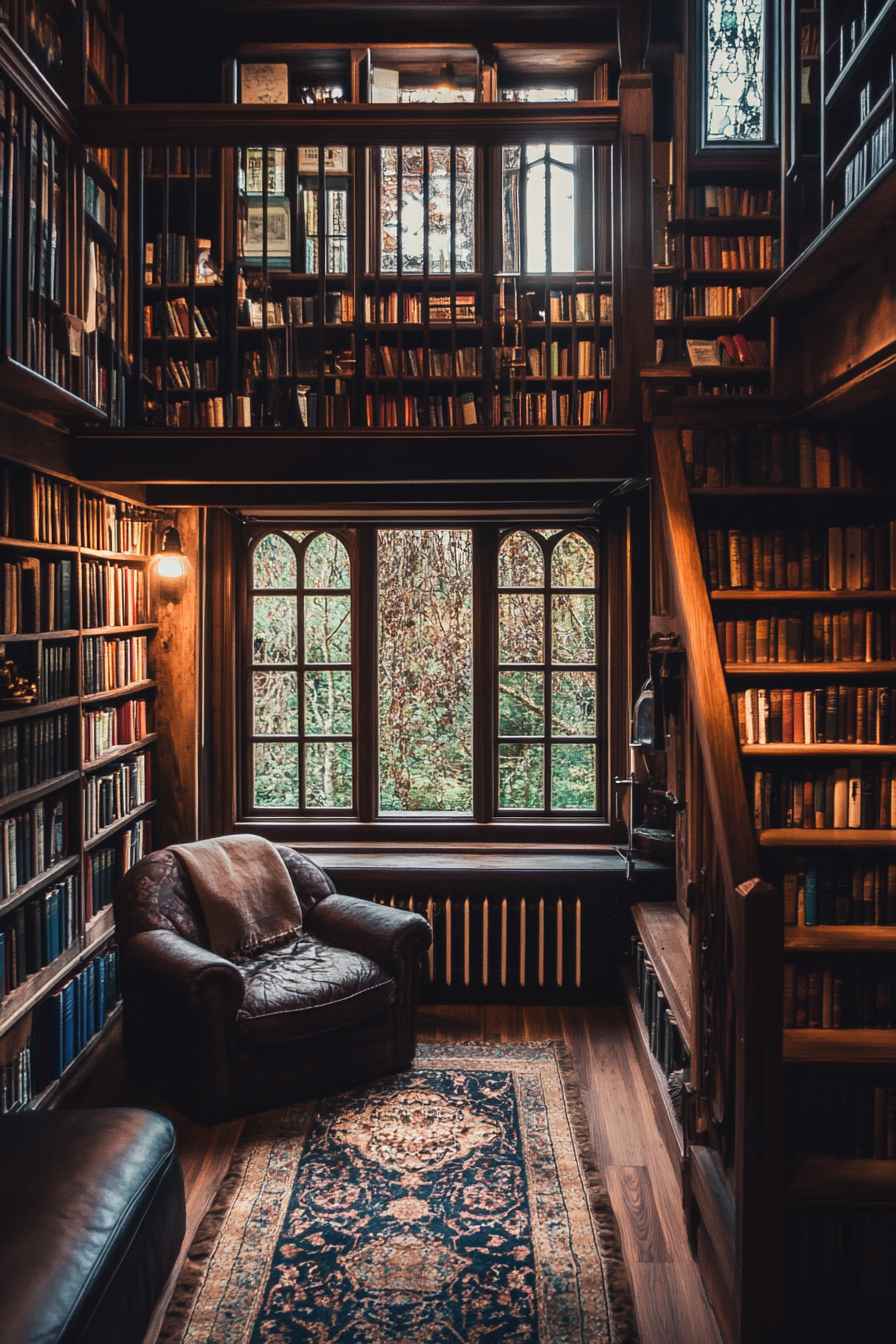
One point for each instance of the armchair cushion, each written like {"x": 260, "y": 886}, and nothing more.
{"x": 308, "y": 987}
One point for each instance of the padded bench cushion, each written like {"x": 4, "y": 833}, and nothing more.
{"x": 93, "y": 1220}
{"x": 306, "y": 987}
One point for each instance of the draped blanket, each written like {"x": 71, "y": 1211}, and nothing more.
{"x": 245, "y": 891}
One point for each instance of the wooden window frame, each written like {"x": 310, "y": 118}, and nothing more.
{"x": 487, "y": 823}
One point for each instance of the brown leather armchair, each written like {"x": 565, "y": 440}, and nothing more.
{"x": 329, "y": 1010}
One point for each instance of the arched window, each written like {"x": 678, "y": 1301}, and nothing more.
{"x": 300, "y": 693}
{"x": 547, "y": 672}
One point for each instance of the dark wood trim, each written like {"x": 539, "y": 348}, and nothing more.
{"x": 21, "y": 72}
{"x": 349, "y": 123}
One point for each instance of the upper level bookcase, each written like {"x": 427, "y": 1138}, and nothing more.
{"x": 77, "y": 45}
{"x": 395, "y": 278}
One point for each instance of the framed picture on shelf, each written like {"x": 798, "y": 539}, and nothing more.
{"x": 279, "y": 249}
{"x": 276, "y": 172}
{"x": 335, "y": 159}
{"x": 703, "y": 353}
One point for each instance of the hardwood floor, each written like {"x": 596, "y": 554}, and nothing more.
{"x": 670, "y": 1301}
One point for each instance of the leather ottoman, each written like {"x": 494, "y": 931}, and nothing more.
{"x": 92, "y": 1223}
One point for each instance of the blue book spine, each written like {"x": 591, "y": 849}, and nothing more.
{"x": 53, "y": 1022}
{"x": 811, "y": 901}
{"x": 90, "y": 977}
{"x": 68, "y": 1024}
{"x": 101, "y": 992}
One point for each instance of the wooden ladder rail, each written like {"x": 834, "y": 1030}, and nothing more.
{"x": 746, "y": 1278}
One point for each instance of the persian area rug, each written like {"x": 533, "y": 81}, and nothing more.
{"x": 457, "y": 1203}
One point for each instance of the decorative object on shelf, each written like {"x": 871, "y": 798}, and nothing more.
{"x": 14, "y": 688}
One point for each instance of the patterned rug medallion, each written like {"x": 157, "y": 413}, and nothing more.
{"x": 457, "y": 1203}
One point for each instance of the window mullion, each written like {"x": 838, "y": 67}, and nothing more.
{"x": 547, "y": 692}
{"x": 300, "y": 660}
{"x": 485, "y": 672}
{"x": 366, "y": 677}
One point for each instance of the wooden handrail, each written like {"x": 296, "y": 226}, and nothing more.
{"x": 709, "y": 697}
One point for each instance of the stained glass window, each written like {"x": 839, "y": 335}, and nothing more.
{"x": 427, "y": 209}
{"x": 547, "y": 673}
{"x": 301, "y": 673}
{"x": 735, "y": 70}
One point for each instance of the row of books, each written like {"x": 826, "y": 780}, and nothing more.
{"x": 508, "y": 306}
{"x": 112, "y": 525}
{"x": 102, "y": 56}
{"x": 857, "y": 796}
{"x": 809, "y": 39}
{"x": 112, "y": 726}
{"x": 100, "y": 207}
{"x": 720, "y": 300}
{"x": 833, "y": 559}
{"x": 31, "y": 841}
{"x": 566, "y": 361}
{"x": 109, "y": 664}
{"x": 390, "y": 411}
{"x": 517, "y": 408}
{"x": 112, "y": 594}
{"x": 662, "y": 1028}
{"x": 16, "y": 1081}
{"x": 711, "y": 387}
{"x": 384, "y": 308}
{"x": 208, "y": 413}
{"x": 840, "y": 993}
{"x": 297, "y": 310}
{"x": 465, "y": 362}
{"x": 853, "y": 889}
{"x": 754, "y": 455}
{"x": 38, "y": 932}
{"x": 176, "y": 161}
{"x": 663, "y": 303}
{"x": 105, "y": 866}
{"x": 114, "y": 794}
{"x": 183, "y": 376}
{"x": 171, "y": 255}
{"x": 33, "y": 751}
{"x": 68, "y": 1019}
{"x": 871, "y": 158}
{"x": 860, "y": 714}
{"x": 37, "y": 595}
{"x": 842, "y": 1119}
{"x": 743, "y": 252}
{"x": 856, "y": 635}
{"x": 176, "y": 317}
{"x": 34, "y": 507}
{"x": 729, "y": 200}
{"x": 838, "y": 1259}
{"x": 298, "y": 407}
{"x": 55, "y": 676}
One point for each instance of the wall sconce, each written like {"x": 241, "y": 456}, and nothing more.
{"x": 447, "y": 77}
{"x": 171, "y": 563}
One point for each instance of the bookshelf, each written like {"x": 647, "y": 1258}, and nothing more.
{"x": 801, "y": 125}
{"x": 62, "y": 211}
{"x": 77, "y": 740}
{"x": 803, "y": 600}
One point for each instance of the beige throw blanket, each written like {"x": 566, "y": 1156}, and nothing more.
{"x": 245, "y": 892}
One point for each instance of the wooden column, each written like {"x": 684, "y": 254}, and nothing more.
{"x": 633, "y": 332}
{"x": 175, "y": 668}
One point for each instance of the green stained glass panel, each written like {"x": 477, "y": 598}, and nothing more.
{"x": 326, "y": 563}
{"x": 328, "y": 774}
{"x": 328, "y": 703}
{"x": 275, "y": 702}
{"x": 328, "y": 631}
{"x": 573, "y": 704}
{"x": 573, "y": 783}
{"x": 521, "y": 774}
{"x": 572, "y": 563}
{"x": 521, "y": 628}
{"x": 276, "y": 774}
{"x": 521, "y": 704}
{"x": 274, "y": 630}
{"x": 572, "y": 623}
{"x": 520, "y": 562}
{"x": 274, "y": 564}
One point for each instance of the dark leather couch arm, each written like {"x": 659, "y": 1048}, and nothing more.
{"x": 392, "y": 938}
{"x": 182, "y": 970}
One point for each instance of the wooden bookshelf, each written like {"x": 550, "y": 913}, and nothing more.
{"x": 790, "y": 837}
{"x": 845, "y": 938}
{"x": 665, "y": 937}
{"x": 853, "y": 1046}
{"x": 832, "y": 1180}
{"x": 656, "y": 1082}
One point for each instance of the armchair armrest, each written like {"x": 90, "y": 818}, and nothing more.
{"x": 392, "y": 938}
{"x": 190, "y": 974}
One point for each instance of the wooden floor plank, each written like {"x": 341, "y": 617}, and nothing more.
{"x": 671, "y": 1306}
{"x": 640, "y": 1227}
